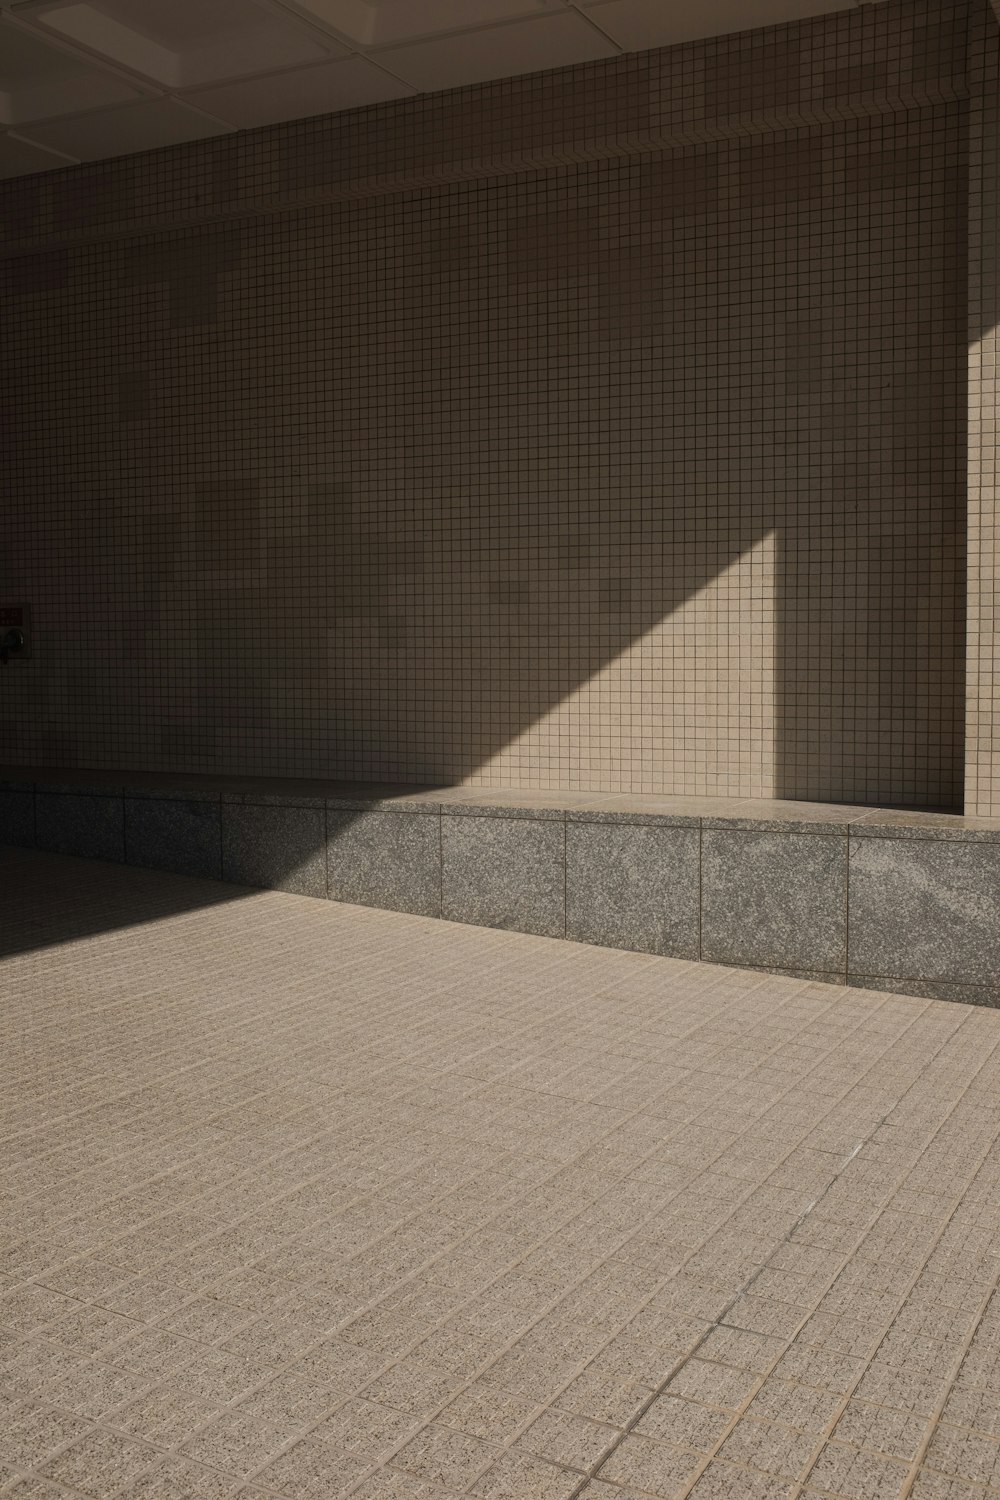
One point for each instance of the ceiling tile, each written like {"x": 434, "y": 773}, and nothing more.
{"x": 136, "y": 127}
{"x": 381, "y": 22}
{"x": 638, "y": 24}
{"x": 346, "y": 84}
{"x": 19, "y": 157}
{"x": 524, "y": 47}
{"x": 38, "y": 80}
{"x": 185, "y": 42}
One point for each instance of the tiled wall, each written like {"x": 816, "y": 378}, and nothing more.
{"x": 982, "y": 790}
{"x": 603, "y": 429}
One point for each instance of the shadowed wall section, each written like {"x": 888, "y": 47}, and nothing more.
{"x": 600, "y": 429}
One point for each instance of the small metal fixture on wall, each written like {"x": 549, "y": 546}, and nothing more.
{"x": 15, "y": 633}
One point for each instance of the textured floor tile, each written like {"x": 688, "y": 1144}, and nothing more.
{"x": 175, "y": 1478}
{"x": 769, "y": 1447}
{"x": 858, "y": 1475}
{"x": 686, "y": 1424}
{"x": 651, "y": 1466}
{"x": 485, "y": 1410}
{"x": 444, "y": 1457}
{"x": 522, "y": 1476}
{"x": 100, "y": 1463}
{"x": 565, "y": 1439}
{"x": 333, "y": 1200}
{"x": 722, "y": 1481}
{"x": 313, "y": 1471}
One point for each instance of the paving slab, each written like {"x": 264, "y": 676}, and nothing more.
{"x": 309, "y": 1199}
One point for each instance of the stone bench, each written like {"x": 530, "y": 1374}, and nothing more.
{"x": 889, "y": 900}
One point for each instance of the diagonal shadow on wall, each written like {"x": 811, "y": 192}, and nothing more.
{"x": 644, "y": 473}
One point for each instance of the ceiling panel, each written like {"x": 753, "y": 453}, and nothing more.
{"x": 184, "y": 42}
{"x": 347, "y": 84}
{"x": 638, "y": 24}
{"x": 20, "y": 157}
{"x": 38, "y": 80}
{"x": 136, "y": 127}
{"x": 523, "y": 47}
{"x": 76, "y": 76}
{"x": 371, "y": 23}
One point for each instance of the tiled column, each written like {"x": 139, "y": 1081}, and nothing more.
{"x": 982, "y": 775}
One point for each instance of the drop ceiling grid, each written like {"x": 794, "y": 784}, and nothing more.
{"x": 139, "y": 87}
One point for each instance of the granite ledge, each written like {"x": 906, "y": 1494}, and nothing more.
{"x": 733, "y": 813}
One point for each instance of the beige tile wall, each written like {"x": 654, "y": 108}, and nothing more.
{"x": 982, "y": 783}
{"x": 602, "y": 429}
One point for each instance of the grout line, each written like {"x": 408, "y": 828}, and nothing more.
{"x": 440, "y": 823}
{"x": 845, "y": 1261}
{"x": 565, "y": 871}
{"x": 701, "y": 896}
{"x": 847, "y": 908}
{"x": 953, "y": 1374}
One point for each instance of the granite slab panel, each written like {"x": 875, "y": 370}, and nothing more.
{"x": 963, "y": 994}
{"x": 490, "y": 808}
{"x": 17, "y": 818}
{"x": 633, "y": 886}
{"x": 280, "y": 848}
{"x": 504, "y": 872}
{"x": 774, "y": 900}
{"x": 926, "y": 909}
{"x": 390, "y": 859}
{"x": 184, "y": 836}
{"x": 816, "y": 976}
{"x": 914, "y": 825}
{"x": 92, "y": 827}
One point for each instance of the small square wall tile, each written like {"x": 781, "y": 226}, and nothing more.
{"x": 182, "y": 836}
{"x": 89, "y": 826}
{"x": 633, "y": 886}
{"x": 17, "y": 818}
{"x": 925, "y": 909}
{"x": 774, "y": 900}
{"x": 277, "y": 848}
{"x": 504, "y": 872}
{"x": 386, "y": 859}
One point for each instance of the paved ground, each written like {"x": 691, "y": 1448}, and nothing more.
{"x": 307, "y": 1201}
